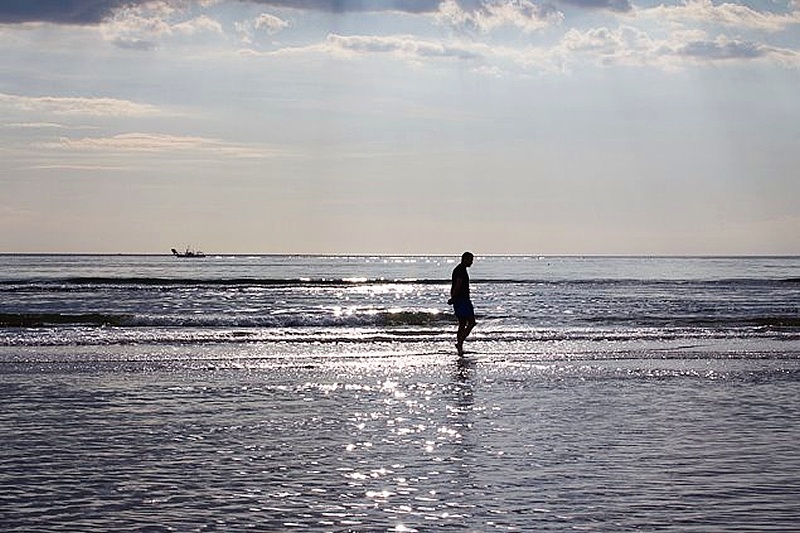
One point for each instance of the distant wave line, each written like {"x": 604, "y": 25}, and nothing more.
{"x": 386, "y": 318}
{"x": 565, "y": 341}
{"x": 233, "y": 282}
{"x": 390, "y": 319}
{"x": 11, "y": 284}
{"x": 773, "y": 322}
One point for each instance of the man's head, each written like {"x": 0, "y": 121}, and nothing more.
{"x": 467, "y": 258}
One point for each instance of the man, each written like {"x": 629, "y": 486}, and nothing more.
{"x": 459, "y": 298}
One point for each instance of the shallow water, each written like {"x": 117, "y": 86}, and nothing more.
{"x": 404, "y": 443}
{"x": 275, "y": 393}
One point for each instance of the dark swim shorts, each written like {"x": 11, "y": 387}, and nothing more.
{"x": 463, "y": 309}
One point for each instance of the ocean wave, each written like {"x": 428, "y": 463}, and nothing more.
{"x": 66, "y": 283}
{"x": 38, "y": 320}
{"x": 766, "y": 322}
{"x": 211, "y": 282}
{"x": 386, "y": 318}
{"x": 316, "y": 338}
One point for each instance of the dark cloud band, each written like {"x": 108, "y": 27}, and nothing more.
{"x": 87, "y": 12}
{"x": 83, "y": 12}
{"x": 78, "y": 12}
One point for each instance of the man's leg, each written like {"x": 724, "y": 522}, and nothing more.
{"x": 465, "y": 325}
{"x": 462, "y": 327}
{"x": 470, "y": 325}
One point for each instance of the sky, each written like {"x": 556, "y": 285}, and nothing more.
{"x": 400, "y": 126}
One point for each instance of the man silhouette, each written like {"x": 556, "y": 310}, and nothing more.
{"x": 459, "y": 298}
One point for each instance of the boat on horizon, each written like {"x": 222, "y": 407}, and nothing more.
{"x": 188, "y": 253}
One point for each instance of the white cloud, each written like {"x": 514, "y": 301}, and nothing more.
{"x": 265, "y": 22}
{"x": 77, "y": 106}
{"x": 142, "y": 26}
{"x": 723, "y": 48}
{"x": 34, "y": 125}
{"x": 522, "y": 14}
{"x": 605, "y": 47}
{"x": 90, "y": 168}
{"x": 725, "y": 14}
{"x": 483, "y": 59}
{"x": 632, "y": 47}
{"x": 159, "y": 143}
{"x": 270, "y": 23}
{"x": 199, "y": 24}
{"x": 406, "y": 47}
{"x": 135, "y": 21}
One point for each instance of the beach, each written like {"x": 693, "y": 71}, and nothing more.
{"x": 347, "y": 409}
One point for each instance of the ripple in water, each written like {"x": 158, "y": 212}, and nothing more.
{"x": 404, "y": 444}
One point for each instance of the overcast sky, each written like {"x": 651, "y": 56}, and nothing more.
{"x": 431, "y": 126}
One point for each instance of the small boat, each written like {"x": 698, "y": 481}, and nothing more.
{"x": 188, "y": 253}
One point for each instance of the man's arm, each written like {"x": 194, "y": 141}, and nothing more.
{"x": 455, "y": 288}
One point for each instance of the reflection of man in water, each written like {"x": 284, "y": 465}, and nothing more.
{"x": 459, "y": 298}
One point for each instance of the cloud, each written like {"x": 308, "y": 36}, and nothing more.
{"x": 130, "y": 24}
{"x": 140, "y": 27}
{"x": 92, "y": 12}
{"x": 522, "y": 14}
{"x": 34, "y": 125}
{"x": 265, "y": 22}
{"x": 93, "y": 168}
{"x": 484, "y": 59}
{"x": 433, "y": 6}
{"x": 403, "y": 46}
{"x": 77, "y": 106}
{"x": 270, "y": 23}
{"x": 132, "y": 43}
{"x": 621, "y": 6}
{"x": 340, "y": 6}
{"x": 158, "y": 143}
{"x": 199, "y": 24}
{"x": 407, "y": 46}
{"x": 628, "y": 46}
{"x": 722, "y": 49}
{"x": 726, "y": 14}
{"x": 481, "y": 12}
{"x": 78, "y": 12}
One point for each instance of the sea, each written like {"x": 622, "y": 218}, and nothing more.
{"x": 241, "y": 393}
